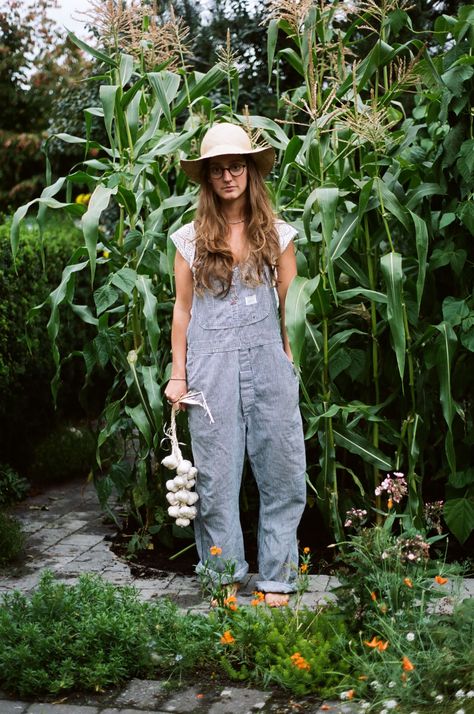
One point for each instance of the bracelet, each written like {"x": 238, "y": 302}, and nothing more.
{"x": 176, "y": 379}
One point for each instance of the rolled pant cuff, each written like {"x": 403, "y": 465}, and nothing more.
{"x": 273, "y": 586}
{"x": 218, "y": 577}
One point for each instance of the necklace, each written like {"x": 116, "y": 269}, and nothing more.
{"x": 234, "y": 223}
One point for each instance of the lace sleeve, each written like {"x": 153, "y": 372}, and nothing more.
{"x": 184, "y": 240}
{"x": 285, "y": 233}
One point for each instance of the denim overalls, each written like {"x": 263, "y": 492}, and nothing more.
{"x": 235, "y": 357}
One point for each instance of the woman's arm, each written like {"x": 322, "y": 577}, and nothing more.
{"x": 286, "y": 273}
{"x": 177, "y": 385}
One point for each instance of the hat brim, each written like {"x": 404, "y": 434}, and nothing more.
{"x": 263, "y": 159}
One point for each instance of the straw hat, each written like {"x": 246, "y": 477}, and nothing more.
{"x": 224, "y": 139}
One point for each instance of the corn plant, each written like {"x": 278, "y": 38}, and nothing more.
{"x": 381, "y": 189}
{"x": 149, "y": 99}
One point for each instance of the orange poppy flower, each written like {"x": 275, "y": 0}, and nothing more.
{"x": 227, "y": 638}
{"x": 376, "y": 643}
{"x": 306, "y": 550}
{"x": 304, "y": 568}
{"x": 215, "y": 550}
{"x": 231, "y": 602}
{"x": 440, "y": 580}
{"x": 373, "y": 596}
{"x": 350, "y": 694}
{"x": 300, "y": 661}
{"x": 407, "y": 665}
{"x": 408, "y": 582}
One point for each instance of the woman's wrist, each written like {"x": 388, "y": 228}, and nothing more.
{"x": 177, "y": 379}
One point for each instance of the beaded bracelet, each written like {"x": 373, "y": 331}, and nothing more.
{"x": 176, "y": 379}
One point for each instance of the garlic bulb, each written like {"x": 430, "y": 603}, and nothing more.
{"x": 179, "y": 496}
{"x": 170, "y": 462}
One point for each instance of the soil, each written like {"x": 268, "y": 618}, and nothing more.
{"x": 151, "y": 563}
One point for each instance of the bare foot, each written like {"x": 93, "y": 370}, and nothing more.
{"x": 228, "y": 591}
{"x": 277, "y": 599}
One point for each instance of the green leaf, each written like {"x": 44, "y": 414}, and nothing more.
{"x": 98, "y": 202}
{"x": 144, "y": 286}
{"x": 454, "y": 311}
{"x": 372, "y": 295}
{"x": 107, "y": 93}
{"x": 272, "y": 37}
{"x": 465, "y": 162}
{"x": 421, "y": 233}
{"x": 203, "y": 87}
{"x": 342, "y": 240}
{"x": 91, "y": 50}
{"x": 140, "y": 420}
{"x": 297, "y": 298}
{"x": 455, "y": 77}
{"x": 461, "y": 479}
{"x": 359, "y": 445}
{"x": 459, "y": 516}
{"x": 152, "y": 388}
{"x": 125, "y": 68}
{"x": 392, "y": 204}
{"x": 161, "y": 85}
{"x": 124, "y": 279}
{"x": 104, "y": 297}
{"x": 391, "y": 266}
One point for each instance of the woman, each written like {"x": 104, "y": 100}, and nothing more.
{"x": 229, "y": 343}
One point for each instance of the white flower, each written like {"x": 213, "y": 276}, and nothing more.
{"x": 384, "y": 711}
{"x": 410, "y": 636}
{"x": 178, "y": 657}
{"x": 460, "y": 694}
{"x": 439, "y": 698}
{"x": 460, "y": 711}
{"x": 375, "y": 685}
{"x": 470, "y": 694}
{"x": 390, "y": 704}
{"x": 364, "y": 705}
{"x": 391, "y": 685}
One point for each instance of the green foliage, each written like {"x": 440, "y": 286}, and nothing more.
{"x": 265, "y": 642}
{"x": 13, "y": 487}
{"x": 65, "y": 452}
{"x": 11, "y": 539}
{"x": 26, "y": 366}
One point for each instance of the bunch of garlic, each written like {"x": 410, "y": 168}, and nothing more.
{"x": 179, "y": 496}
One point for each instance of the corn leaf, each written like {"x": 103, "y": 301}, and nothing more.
{"x": 297, "y": 298}
{"x": 391, "y": 266}
{"x": 357, "y": 444}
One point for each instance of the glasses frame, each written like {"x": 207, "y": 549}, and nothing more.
{"x": 223, "y": 169}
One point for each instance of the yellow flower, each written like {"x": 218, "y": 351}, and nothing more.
{"x": 227, "y": 638}
{"x": 215, "y": 550}
{"x": 390, "y": 504}
{"x": 306, "y": 550}
{"x": 83, "y": 199}
{"x": 304, "y": 568}
{"x": 106, "y": 253}
{"x": 440, "y": 580}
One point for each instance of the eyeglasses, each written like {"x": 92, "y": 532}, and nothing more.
{"x": 235, "y": 169}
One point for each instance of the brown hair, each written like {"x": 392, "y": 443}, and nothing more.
{"x": 213, "y": 261}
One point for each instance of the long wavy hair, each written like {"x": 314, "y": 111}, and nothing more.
{"x": 213, "y": 261}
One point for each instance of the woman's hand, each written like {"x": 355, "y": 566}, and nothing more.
{"x": 175, "y": 390}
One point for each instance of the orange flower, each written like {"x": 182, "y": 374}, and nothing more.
{"x": 259, "y": 597}
{"x": 350, "y": 694}
{"x": 408, "y": 582}
{"x": 373, "y": 596}
{"x": 407, "y": 665}
{"x": 227, "y": 638}
{"x": 300, "y": 662}
{"x": 231, "y": 602}
{"x": 306, "y": 550}
{"x": 304, "y": 568}
{"x": 215, "y": 550}
{"x": 325, "y": 707}
{"x": 440, "y": 580}
{"x": 377, "y": 643}
{"x": 390, "y": 504}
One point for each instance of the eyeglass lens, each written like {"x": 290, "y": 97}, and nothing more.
{"x": 235, "y": 170}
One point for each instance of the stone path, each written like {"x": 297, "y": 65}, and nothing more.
{"x": 67, "y": 534}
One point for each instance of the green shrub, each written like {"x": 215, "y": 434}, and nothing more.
{"x": 66, "y": 452}
{"x": 11, "y": 540}
{"x": 26, "y": 408}
{"x": 13, "y": 487}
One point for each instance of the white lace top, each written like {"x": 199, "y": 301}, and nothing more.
{"x": 184, "y": 239}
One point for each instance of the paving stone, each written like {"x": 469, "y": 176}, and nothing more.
{"x": 189, "y": 700}
{"x": 10, "y": 707}
{"x": 140, "y": 692}
{"x": 318, "y": 583}
{"x": 238, "y": 701}
{"x": 60, "y": 709}
{"x": 84, "y": 540}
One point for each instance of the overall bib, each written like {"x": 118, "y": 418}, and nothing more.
{"x": 235, "y": 357}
